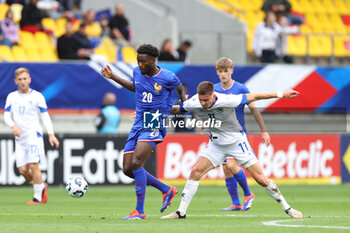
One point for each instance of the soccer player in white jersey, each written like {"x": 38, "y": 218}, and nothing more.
{"x": 22, "y": 110}
{"x": 233, "y": 172}
{"x": 226, "y": 140}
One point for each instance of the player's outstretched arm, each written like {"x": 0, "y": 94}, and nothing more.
{"x": 181, "y": 92}
{"x": 107, "y": 73}
{"x": 251, "y": 97}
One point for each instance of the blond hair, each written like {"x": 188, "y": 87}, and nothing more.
{"x": 20, "y": 71}
{"x": 224, "y": 63}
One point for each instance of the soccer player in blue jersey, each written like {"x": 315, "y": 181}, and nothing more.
{"x": 153, "y": 86}
{"x": 233, "y": 172}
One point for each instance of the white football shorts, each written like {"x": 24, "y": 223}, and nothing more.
{"x": 29, "y": 149}
{"x": 239, "y": 150}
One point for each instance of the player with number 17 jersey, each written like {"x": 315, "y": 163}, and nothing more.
{"x": 153, "y": 104}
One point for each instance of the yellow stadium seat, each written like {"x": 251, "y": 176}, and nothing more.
{"x": 110, "y": 47}
{"x": 257, "y": 4}
{"x": 305, "y": 28}
{"x": 296, "y": 6}
{"x": 129, "y": 54}
{"x": 49, "y": 24}
{"x": 317, "y": 6}
{"x": 235, "y": 3}
{"x": 3, "y": 9}
{"x": 338, "y": 23}
{"x": 48, "y": 54}
{"x": 341, "y": 7}
{"x": 32, "y": 54}
{"x": 329, "y": 6}
{"x": 43, "y": 40}
{"x": 60, "y": 27}
{"x": 103, "y": 51}
{"x": 18, "y": 54}
{"x": 5, "y": 53}
{"x": 26, "y": 39}
{"x": 246, "y": 5}
{"x": 314, "y": 22}
{"x": 340, "y": 49}
{"x": 326, "y": 45}
{"x": 325, "y": 23}
{"x": 16, "y": 9}
{"x": 252, "y": 19}
{"x": 320, "y": 46}
{"x": 296, "y": 45}
{"x": 306, "y": 6}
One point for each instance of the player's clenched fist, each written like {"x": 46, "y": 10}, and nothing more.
{"x": 106, "y": 71}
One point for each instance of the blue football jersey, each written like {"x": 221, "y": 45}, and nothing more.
{"x": 153, "y": 94}
{"x": 235, "y": 89}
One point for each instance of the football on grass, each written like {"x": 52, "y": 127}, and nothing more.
{"x": 76, "y": 186}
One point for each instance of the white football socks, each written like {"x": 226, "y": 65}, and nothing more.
{"x": 38, "y": 189}
{"x": 187, "y": 195}
{"x": 273, "y": 191}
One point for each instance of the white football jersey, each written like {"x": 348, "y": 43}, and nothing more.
{"x": 25, "y": 110}
{"x": 223, "y": 112}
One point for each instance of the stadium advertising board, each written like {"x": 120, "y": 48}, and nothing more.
{"x": 345, "y": 158}
{"x": 97, "y": 158}
{"x": 313, "y": 159}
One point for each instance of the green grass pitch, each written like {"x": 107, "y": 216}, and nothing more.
{"x": 103, "y": 207}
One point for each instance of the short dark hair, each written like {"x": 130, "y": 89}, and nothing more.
{"x": 149, "y": 50}
{"x": 187, "y": 43}
{"x": 205, "y": 88}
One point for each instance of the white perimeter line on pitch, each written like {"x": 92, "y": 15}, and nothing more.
{"x": 152, "y": 215}
{"x": 281, "y": 223}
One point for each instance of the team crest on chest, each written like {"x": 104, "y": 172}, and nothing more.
{"x": 157, "y": 88}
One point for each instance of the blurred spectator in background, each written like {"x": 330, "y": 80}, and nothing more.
{"x": 281, "y": 7}
{"x": 265, "y": 39}
{"x": 108, "y": 120}
{"x": 282, "y": 42}
{"x": 31, "y": 18}
{"x": 66, "y": 44}
{"x": 69, "y": 9}
{"x": 82, "y": 43}
{"x": 4, "y": 40}
{"x": 167, "y": 51}
{"x": 10, "y": 28}
{"x": 93, "y": 29}
{"x": 50, "y": 8}
{"x": 119, "y": 26}
{"x": 182, "y": 51}
{"x": 10, "y": 2}
{"x": 106, "y": 30}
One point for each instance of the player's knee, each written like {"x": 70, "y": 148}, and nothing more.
{"x": 128, "y": 172}
{"x": 136, "y": 163}
{"x": 227, "y": 171}
{"x": 23, "y": 172}
{"x": 195, "y": 174}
